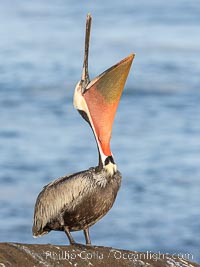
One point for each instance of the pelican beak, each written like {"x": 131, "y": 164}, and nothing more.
{"x": 102, "y": 97}
{"x": 97, "y": 100}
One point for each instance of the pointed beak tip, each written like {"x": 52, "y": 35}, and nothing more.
{"x": 131, "y": 57}
{"x": 89, "y": 15}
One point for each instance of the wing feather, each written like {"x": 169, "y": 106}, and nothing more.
{"x": 63, "y": 193}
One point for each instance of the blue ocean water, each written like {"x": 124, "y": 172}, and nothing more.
{"x": 156, "y": 134}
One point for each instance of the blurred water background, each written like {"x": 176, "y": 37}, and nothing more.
{"x": 156, "y": 135}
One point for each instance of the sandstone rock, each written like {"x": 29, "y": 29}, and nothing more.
{"x": 15, "y": 254}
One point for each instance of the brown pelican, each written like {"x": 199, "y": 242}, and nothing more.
{"x": 77, "y": 201}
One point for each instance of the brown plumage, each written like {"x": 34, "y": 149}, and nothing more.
{"x": 77, "y": 201}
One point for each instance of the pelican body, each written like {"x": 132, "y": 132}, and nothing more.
{"x": 77, "y": 201}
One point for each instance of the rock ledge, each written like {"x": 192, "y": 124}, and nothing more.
{"x": 17, "y": 254}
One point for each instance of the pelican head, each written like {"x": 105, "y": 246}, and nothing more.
{"x": 97, "y": 101}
